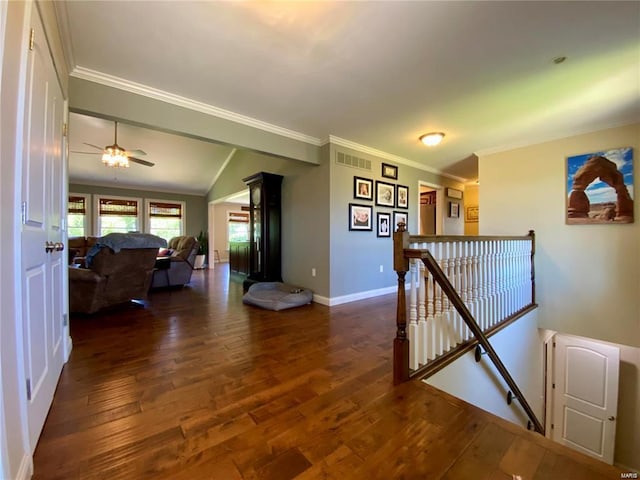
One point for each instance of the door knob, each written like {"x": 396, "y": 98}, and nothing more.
{"x": 612, "y": 418}
{"x": 59, "y": 246}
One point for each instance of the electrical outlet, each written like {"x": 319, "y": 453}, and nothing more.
{"x": 313, "y": 272}
{"x": 381, "y": 269}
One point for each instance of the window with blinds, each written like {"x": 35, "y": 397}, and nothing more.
{"x": 77, "y": 204}
{"x": 125, "y": 208}
{"x": 118, "y": 214}
{"x": 78, "y": 215}
{"x": 165, "y": 219}
{"x": 240, "y": 217}
{"x": 166, "y": 210}
{"x": 238, "y": 226}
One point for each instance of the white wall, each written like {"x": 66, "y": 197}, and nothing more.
{"x": 520, "y": 348}
{"x": 587, "y": 276}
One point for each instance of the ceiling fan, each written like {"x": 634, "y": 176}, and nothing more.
{"x": 116, "y": 156}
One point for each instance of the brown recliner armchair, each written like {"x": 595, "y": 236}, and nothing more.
{"x": 177, "y": 270}
{"x": 112, "y": 277}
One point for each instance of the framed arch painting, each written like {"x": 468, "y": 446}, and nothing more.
{"x": 600, "y": 187}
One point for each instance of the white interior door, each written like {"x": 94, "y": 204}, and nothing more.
{"x": 585, "y": 400}
{"x": 42, "y": 268}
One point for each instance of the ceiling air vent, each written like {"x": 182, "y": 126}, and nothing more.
{"x": 352, "y": 161}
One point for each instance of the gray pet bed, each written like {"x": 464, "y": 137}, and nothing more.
{"x": 276, "y": 296}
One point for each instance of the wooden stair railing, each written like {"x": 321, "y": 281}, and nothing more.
{"x": 488, "y": 279}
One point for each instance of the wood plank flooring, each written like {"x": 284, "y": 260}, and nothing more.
{"x": 197, "y": 385}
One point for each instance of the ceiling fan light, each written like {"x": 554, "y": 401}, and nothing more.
{"x": 432, "y": 139}
{"x": 116, "y": 158}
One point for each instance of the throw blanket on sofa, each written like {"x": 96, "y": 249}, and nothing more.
{"x": 118, "y": 241}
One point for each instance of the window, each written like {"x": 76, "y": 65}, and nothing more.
{"x": 238, "y": 226}
{"x": 77, "y": 215}
{"x": 117, "y": 214}
{"x": 165, "y": 219}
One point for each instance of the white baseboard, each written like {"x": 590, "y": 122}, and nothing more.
{"x": 353, "y": 297}
{"x": 25, "y": 472}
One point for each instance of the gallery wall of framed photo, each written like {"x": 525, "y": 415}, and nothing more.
{"x": 379, "y": 204}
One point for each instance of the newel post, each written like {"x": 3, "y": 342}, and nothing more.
{"x": 401, "y": 342}
{"x": 532, "y": 234}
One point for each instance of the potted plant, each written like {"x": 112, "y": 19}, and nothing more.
{"x": 203, "y": 249}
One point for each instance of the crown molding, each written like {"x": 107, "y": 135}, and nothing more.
{"x": 389, "y": 156}
{"x": 62, "y": 16}
{"x": 156, "y": 94}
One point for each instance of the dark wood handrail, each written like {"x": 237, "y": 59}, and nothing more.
{"x": 456, "y": 301}
{"x": 464, "y": 238}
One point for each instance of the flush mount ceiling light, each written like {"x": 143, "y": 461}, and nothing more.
{"x": 432, "y": 139}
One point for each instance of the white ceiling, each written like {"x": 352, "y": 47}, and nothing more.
{"x": 182, "y": 164}
{"x": 379, "y": 74}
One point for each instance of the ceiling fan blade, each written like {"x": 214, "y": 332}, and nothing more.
{"x": 141, "y": 162}
{"x": 94, "y": 146}
{"x": 138, "y": 152}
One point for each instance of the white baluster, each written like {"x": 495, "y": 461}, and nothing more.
{"x": 509, "y": 278}
{"x": 493, "y": 302}
{"x": 482, "y": 286}
{"x": 437, "y": 317}
{"x": 501, "y": 284}
{"x": 518, "y": 276}
{"x": 457, "y": 274}
{"x": 422, "y": 313}
{"x": 474, "y": 281}
{"x": 448, "y": 305}
{"x": 464, "y": 283}
{"x": 431, "y": 325}
{"x": 414, "y": 347}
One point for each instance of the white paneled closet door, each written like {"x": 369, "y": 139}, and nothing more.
{"x": 41, "y": 235}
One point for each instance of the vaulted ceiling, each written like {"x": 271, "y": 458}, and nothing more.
{"x": 378, "y": 74}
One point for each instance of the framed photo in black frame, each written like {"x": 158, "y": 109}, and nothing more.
{"x": 454, "y": 209}
{"x": 385, "y": 194}
{"x": 362, "y": 188}
{"x": 389, "y": 171}
{"x": 360, "y": 217}
{"x": 383, "y": 224}
{"x": 402, "y": 196}
{"x": 400, "y": 217}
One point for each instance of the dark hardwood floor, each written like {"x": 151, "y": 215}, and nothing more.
{"x": 197, "y": 385}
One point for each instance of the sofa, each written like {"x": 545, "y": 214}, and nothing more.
{"x": 177, "y": 269}
{"x": 78, "y": 248}
{"x": 115, "y": 273}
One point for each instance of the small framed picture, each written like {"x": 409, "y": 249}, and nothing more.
{"x": 453, "y": 193}
{"x": 389, "y": 171}
{"x": 402, "y": 196}
{"x": 384, "y": 224}
{"x": 385, "y": 194}
{"x": 472, "y": 214}
{"x": 454, "y": 209}
{"x": 400, "y": 217}
{"x": 360, "y": 217}
{"x": 362, "y": 188}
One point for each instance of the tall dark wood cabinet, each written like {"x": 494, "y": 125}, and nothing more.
{"x": 265, "y": 256}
